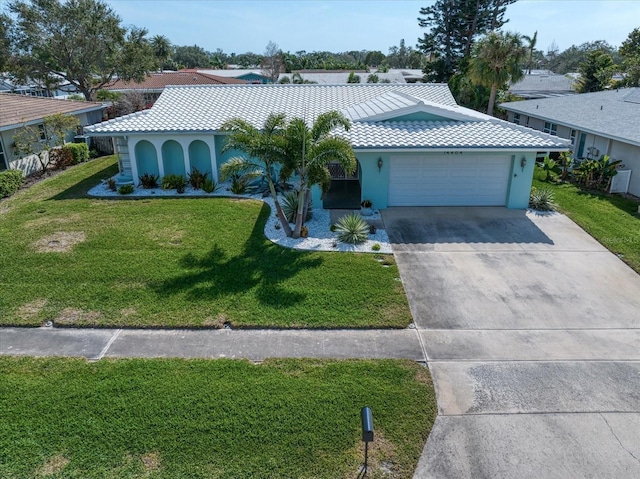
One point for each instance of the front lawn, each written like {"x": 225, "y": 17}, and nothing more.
{"x": 134, "y": 418}
{"x": 180, "y": 262}
{"x": 613, "y": 220}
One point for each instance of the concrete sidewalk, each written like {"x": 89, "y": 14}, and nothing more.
{"x": 255, "y": 345}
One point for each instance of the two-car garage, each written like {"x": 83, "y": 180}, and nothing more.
{"x": 449, "y": 180}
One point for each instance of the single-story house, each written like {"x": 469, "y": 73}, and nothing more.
{"x": 335, "y": 77}
{"x": 414, "y": 145}
{"x": 542, "y": 84}
{"x": 249, "y": 75}
{"x": 600, "y": 123}
{"x": 17, "y": 111}
{"x": 153, "y": 85}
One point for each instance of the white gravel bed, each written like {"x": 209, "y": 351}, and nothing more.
{"x": 320, "y": 238}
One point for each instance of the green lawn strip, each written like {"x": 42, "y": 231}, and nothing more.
{"x": 175, "y": 262}
{"x": 613, "y": 220}
{"x": 170, "y": 418}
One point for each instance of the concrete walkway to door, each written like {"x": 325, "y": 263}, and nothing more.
{"x": 532, "y": 334}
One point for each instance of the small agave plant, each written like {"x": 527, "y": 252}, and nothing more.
{"x": 352, "y": 229}
{"x": 542, "y": 199}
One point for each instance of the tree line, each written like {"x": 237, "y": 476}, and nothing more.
{"x": 84, "y": 43}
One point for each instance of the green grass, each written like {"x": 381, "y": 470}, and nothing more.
{"x": 613, "y": 220}
{"x": 180, "y": 262}
{"x": 133, "y": 418}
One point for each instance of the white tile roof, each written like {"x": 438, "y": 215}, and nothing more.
{"x": 204, "y": 108}
{"x": 392, "y": 104}
{"x": 494, "y": 134}
{"x": 207, "y": 107}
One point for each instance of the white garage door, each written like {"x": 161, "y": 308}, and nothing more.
{"x": 448, "y": 181}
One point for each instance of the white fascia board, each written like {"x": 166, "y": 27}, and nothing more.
{"x": 453, "y": 148}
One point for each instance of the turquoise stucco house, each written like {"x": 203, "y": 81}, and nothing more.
{"x": 415, "y": 146}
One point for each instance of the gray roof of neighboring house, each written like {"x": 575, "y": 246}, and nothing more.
{"x": 232, "y": 73}
{"x": 613, "y": 114}
{"x": 543, "y": 86}
{"x": 335, "y": 78}
{"x": 205, "y": 108}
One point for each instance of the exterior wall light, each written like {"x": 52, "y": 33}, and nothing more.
{"x": 380, "y": 165}
{"x": 523, "y": 163}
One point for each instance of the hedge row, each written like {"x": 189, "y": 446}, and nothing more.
{"x": 10, "y": 182}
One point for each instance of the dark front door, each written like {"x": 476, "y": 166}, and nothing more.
{"x": 344, "y": 192}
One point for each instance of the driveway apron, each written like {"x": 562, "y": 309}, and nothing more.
{"x": 532, "y": 334}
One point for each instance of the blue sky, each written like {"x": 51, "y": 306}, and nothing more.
{"x": 341, "y": 25}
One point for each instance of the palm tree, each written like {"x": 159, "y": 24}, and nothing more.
{"x": 310, "y": 150}
{"x": 265, "y": 148}
{"x": 497, "y": 59}
{"x": 531, "y": 46}
{"x": 161, "y": 49}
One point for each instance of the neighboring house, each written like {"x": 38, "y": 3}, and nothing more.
{"x": 64, "y": 88}
{"x": 601, "y": 123}
{"x": 155, "y": 83}
{"x": 543, "y": 85}
{"x": 253, "y": 75}
{"x": 336, "y": 77}
{"x": 414, "y": 145}
{"x": 17, "y": 111}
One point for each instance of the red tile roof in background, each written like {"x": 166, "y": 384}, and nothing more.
{"x": 157, "y": 81}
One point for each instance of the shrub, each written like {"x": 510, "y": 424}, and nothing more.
{"x": 290, "y": 207}
{"x": 126, "y": 189}
{"x": 542, "y": 199}
{"x": 209, "y": 186}
{"x": 60, "y": 158}
{"x": 79, "y": 152}
{"x": 239, "y": 184}
{"x": 352, "y": 229}
{"x": 10, "y": 182}
{"x": 332, "y": 228}
{"x": 149, "y": 181}
{"x": 111, "y": 184}
{"x": 171, "y": 182}
{"x": 375, "y": 247}
{"x": 197, "y": 178}
{"x": 93, "y": 153}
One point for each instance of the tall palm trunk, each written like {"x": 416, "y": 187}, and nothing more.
{"x": 492, "y": 98}
{"x": 281, "y": 216}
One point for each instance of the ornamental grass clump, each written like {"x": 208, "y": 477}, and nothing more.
{"x": 542, "y": 199}
{"x": 352, "y": 229}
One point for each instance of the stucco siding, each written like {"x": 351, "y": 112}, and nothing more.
{"x": 630, "y": 156}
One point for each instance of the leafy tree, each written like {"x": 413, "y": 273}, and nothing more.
{"x": 39, "y": 140}
{"x": 595, "y": 72}
{"x": 272, "y": 62}
{"x": 570, "y": 59}
{"x": 162, "y": 49}
{"x": 309, "y": 150}
{"x": 266, "y": 149}
{"x": 497, "y": 60}
{"x": 630, "y": 54}
{"x": 191, "y": 56}
{"x": 453, "y": 27}
{"x": 5, "y": 25}
{"x": 80, "y": 41}
{"x": 374, "y": 58}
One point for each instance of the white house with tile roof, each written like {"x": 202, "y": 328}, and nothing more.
{"x": 415, "y": 146}
{"x": 600, "y": 123}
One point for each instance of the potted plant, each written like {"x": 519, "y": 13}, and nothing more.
{"x": 367, "y": 207}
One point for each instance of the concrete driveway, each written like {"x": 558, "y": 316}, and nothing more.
{"x": 532, "y": 334}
